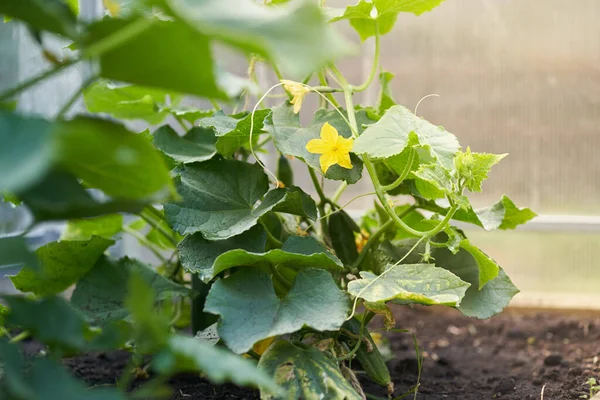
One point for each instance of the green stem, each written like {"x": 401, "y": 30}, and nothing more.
{"x": 74, "y": 97}
{"x": 143, "y": 240}
{"x": 274, "y": 241}
{"x": 375, "y": 65}
{"x": 31, "y": 82}
{"x": 319, "y": 189}
{"x": 280, "y": 278}
{"x": 156, "y": 225}
{"x": 261, "y": 144}
{"x": 215, "y": 104}
{"x": 21, "y": 336}
{"x": 404, "y": 174}
{"x": 323, "y": 81}
{"x": 375, "y": 237}
{"x": 338, "y": 193}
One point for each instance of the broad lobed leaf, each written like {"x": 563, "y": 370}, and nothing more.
{"x": 251, "y": 311}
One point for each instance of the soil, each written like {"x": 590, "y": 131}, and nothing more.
{"x": 514, "y": 356}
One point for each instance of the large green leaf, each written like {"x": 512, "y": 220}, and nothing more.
{"x": 251, "y": 311}
{"x": 484, "y": 303}
{"x": 410, "y": 283}
{"x": 400, "y": 128}
{"x": 290, "y": 138}
{"x": 220, "y": 199}
{"x": 233, "y": 132}
{"x": 198, "y": 144}
{"x": 14, "y": 250}
{"x": 107, "y": 156}
{"x": 502, "y": 215}
{"x": 379, "y": 16}
{"x": 26, "y": 152}
{"x": 488, "y": 269}
{"x": 296, "y": 37}
{"x": 187, "y": 354}
{"x": 45, "y": 15}
{"x": 101, "y": 294}
{"x": 83, "y": 229}
{"x": 386, "y": 99}
{"x": 62, "y": 264}
{"x": 60, "y": 196}
{"x": 128, "y": 102}
{"x": 208, "y": 259}
{"x": 148, "y": 58}
{"x": 305, "y": 373}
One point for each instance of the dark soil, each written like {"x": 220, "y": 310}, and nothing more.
{"x": 513, "y": 356}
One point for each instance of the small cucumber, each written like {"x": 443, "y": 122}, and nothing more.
{"x": 369, "y": 356}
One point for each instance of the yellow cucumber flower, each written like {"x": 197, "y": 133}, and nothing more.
{"x": 298, "y": 91}
{"x": 334, "y": 149}
{"x": 112, "y": 6}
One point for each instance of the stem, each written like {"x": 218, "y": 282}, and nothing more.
{"x": 156, "y": 225}
{"x": 75, "y": 96}
{"x": 261, "y": 144}
{"x": 287, "y": 284}
{"x": 323, "y": 81}
{"x": 375, "y": 65}
{"x": 315, "y": 180}
{"x": 28, "y": 83}
{"x": 338, "y": 193}
{"x": 215, "y": 104}
{"x": 274, "y": 241}
{"x": 21, "y": 336}
{"x": 404, "y": 174}
{"x": 375, "y": 237}
{"x": 143, "y": 240}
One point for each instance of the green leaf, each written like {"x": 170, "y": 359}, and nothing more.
{"x": 400, "y": 128}
{"x": 107, "y": 156}
{"x": 12, "y": 369}
{"x": 305, "y": 373}
{"x": 190, "y": 114}
{"x": 410, "y": 283}
{"x": 129, "y": 60}
{"x": 250, "y": 311}
{"x": 482, "y": 304}
{"x": 101, "y": 294}
{"x": 106, "y": 226}
{"x": 14, "y": 251}
{"x": 198, "y": 144}
{"x": 26, "y": 152}
{"x": 60, "y": 196}
{"x": 186, "y": 354}
{"x": 234, "y": 133}
{"x": 379, "y": 16}
{"x": 208, "y": 259}
{"x": 488, "y": 269}
{"x": 502, "y": 215}
{"x": 220, "y": 196}
{"x": 291, "y": 139}
{"x": 51, "y": 320}
{"x": 285, "y": 173}
{"x": 127, "y": 102}
{"x": 295, "y": 37}
{"x": 474, "y": 167}
{"x": 45, "y": 15}
{"x": 3, "y": 314}
{"x": 62, "y": 264}
{"x": 433, "y": 181}
{"x": 341, "y": 232}
{"x": 386, "y": 99}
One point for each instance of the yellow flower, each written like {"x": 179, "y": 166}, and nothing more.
{"x": 334, "y": 149}
{"x": 112, "y": 6}
{"x": 298, "y": 91}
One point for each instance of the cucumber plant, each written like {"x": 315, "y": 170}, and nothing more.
{"x": 245, "y": 256}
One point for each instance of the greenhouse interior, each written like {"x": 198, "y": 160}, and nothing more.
{"x": 299, "y": 199}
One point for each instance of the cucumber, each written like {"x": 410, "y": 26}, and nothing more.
{"x": 369, "y": 357}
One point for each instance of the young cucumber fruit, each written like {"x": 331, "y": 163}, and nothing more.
{"x": 369, "y": 357}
